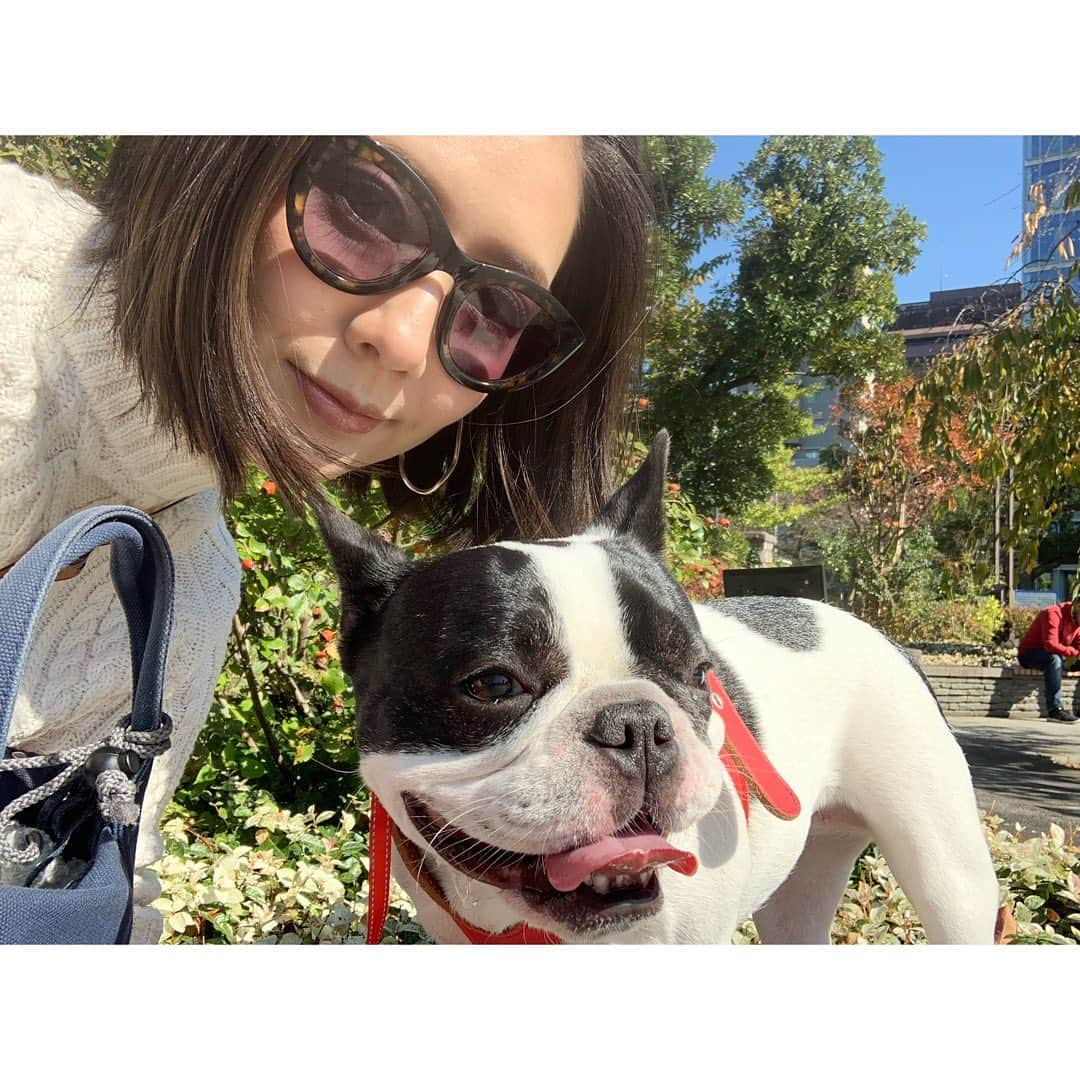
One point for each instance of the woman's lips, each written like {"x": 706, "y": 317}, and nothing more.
{"x": 333, "y": 412}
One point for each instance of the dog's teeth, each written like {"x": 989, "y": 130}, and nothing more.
{"x": 604, "y": 883}
{"x": 600, "y": 883}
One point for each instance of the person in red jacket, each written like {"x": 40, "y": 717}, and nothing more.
{"x": 1053, "y": 637}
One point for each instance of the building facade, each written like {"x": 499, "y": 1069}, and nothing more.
{"x": 1054, "y": 162}
{"x": 936, "y": 326}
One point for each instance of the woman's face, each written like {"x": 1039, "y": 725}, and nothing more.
{"x": 362, "y": 373}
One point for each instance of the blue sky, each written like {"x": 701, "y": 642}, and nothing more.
{"x": 966, "y": 189}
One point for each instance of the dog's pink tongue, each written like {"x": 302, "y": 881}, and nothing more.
{"x": 616, "y": 855}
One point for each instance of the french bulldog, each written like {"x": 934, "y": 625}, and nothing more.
{"x": 536, "y": 718}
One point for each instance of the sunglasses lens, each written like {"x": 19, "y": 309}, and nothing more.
{"x": 499, "y": 333}
{"x": 359, "y": 221}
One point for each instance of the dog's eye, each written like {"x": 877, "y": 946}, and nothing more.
{"x": 491, "y": 686}
{"x": 700, "y": 673}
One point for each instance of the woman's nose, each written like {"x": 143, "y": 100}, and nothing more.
{"x": 398, "y": 330}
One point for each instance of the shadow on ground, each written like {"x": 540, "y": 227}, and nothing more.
{"x": 1013, "y": 773}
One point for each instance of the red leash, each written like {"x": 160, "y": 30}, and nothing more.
{"x": 379, "y": 871}
{"x": 748, "y": 768}
{"x": 746, "y": 762}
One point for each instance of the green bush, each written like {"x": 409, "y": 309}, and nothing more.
{"x": 699, "y": 547}
{"x": 271, "y": 875}
{"x": 281, "y": 713}
{"x": 970, "y": 622}
{"x": 925, "y": 597}
{"x": 1040, "y": 883}
{"x": 278, "y": 877}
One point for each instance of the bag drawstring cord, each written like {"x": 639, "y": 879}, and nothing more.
{"x": 120, "y": 756}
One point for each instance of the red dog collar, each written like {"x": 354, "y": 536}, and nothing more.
{"x": 748, "y": 768}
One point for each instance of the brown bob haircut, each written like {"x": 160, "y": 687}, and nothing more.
{"x": 182, "y": 216}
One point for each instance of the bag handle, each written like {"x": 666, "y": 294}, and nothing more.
{"x": 142, "y": 572}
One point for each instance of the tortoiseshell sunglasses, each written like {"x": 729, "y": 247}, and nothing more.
{"x": 364, "y": 222}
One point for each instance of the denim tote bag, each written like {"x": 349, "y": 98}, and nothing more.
{"x": 69, "y": 820}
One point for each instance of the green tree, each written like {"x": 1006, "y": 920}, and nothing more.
{"x": 805, "y": 503}
{"x": 691, "y": 209}
{"x": 1015, "y": 389}
{"x": 817, "y": 246}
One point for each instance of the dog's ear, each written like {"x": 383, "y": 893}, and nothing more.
{"x": 637, "y": 507}
{"x": 368, "y": 568}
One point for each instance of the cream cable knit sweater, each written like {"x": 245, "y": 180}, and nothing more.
{"x": 72, "y": 435}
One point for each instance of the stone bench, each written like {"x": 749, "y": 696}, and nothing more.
{"x": 1013, "y": 691}
{"x": 1038, "y": 674}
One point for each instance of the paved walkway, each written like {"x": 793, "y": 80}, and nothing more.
{"x": 1015, "y": 772}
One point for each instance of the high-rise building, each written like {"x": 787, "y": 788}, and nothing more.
{"x": 1053, "y": 161}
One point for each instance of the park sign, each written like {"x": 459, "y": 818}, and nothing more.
{"x": 1038, "y": 598}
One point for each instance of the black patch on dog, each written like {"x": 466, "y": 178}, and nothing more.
{"x": 661, "y": 628}
{"x": 472, "y": 611}
{"x": 784, "y": 620}
{"x": 636, "y": 510}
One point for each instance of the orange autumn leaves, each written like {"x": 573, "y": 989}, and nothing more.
{"x": 884, "y": 423}
{"x": 892, "y": 485}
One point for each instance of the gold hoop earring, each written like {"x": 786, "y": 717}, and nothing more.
{"x": 446, "y": 476}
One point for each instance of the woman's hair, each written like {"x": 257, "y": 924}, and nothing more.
{"x": 181, "y": 220}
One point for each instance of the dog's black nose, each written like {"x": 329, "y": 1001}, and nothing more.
{"x": 639, "y": 736}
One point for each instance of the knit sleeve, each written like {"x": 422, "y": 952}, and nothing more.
{"x": 41, "y": 400}
{"x": 74, "y": 431}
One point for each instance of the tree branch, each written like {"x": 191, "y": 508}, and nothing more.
{"x": 256, "y": 701}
